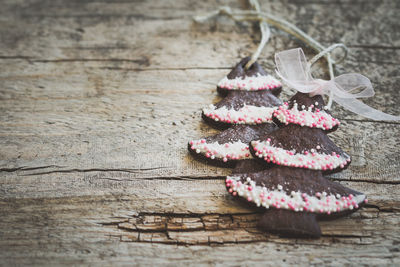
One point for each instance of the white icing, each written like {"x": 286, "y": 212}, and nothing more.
{"x": 228, "y": 151}
{"x": 307, "y": 159}
{"x": 246, "y": 115}
{"x": 259, "y": 82}
{"x": 317, "y": 119}
{"x": 321, "y": 202}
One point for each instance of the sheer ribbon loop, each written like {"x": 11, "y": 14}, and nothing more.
{"x": 293, "y": 69}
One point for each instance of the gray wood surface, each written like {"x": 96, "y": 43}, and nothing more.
{"x": 98, "y": 100}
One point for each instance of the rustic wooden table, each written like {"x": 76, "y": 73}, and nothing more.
{"x": 98, "y": 100}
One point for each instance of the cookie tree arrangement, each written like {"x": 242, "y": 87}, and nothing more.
{"x": 281, "y": 151}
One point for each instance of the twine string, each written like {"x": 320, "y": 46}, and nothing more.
{"x": 260, "y": 16}
{"x": 265, "y": 34}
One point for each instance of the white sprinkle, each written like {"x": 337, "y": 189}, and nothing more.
{"x": 313, "y": 203}
{"x": 249, "y": 83}
{"x": 313, "y": 160}
{"x": 248, "y": 114}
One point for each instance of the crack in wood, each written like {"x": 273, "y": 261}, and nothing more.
{"x": 373, "y": 46}
{"x": 102, "y": 16}
{"x": 127, "y": 170}
{"x": 207, "y": 229}
{"x": 143, "y": 61}
{"x": 365, "y": 181}
{"x": 166, "y": 69}
{"x": 21, "y": 172}
{"x": 369, "y": 120}
{"x": 24, "y": 168}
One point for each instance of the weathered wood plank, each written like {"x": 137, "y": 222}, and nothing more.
{"x": 157, "y": 195}
{"x": 141, "y": 154}
{"x": 111, "y": 222}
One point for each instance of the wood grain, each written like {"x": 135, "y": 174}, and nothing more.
{"x": 99, "y": 98}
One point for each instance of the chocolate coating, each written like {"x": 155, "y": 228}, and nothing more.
{"x": 297, "y": 138}
{"x": 238, "y": 99}
{"x": 308, "y": 101}
{"x": 243, "y": 133}
{"x": 240, "y": 71}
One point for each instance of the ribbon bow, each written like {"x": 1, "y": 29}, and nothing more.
{"x": 293, "y": 69}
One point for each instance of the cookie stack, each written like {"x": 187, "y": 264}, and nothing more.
{"x": 243, "y": 115}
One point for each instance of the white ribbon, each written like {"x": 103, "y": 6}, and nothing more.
{"x": 293, "y": 69}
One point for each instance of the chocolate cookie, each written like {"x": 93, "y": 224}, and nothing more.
{"x": 230, "y": 146}
{"x": 308, "y": 111}
{"x": 242, "y": 107}
{"x": 251, "y": 165}
{"x": 253, "y": 79}
{"x": 294, "y": 191}
{"x": 287, "y": 223}
{"x": 301, "y": 147}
